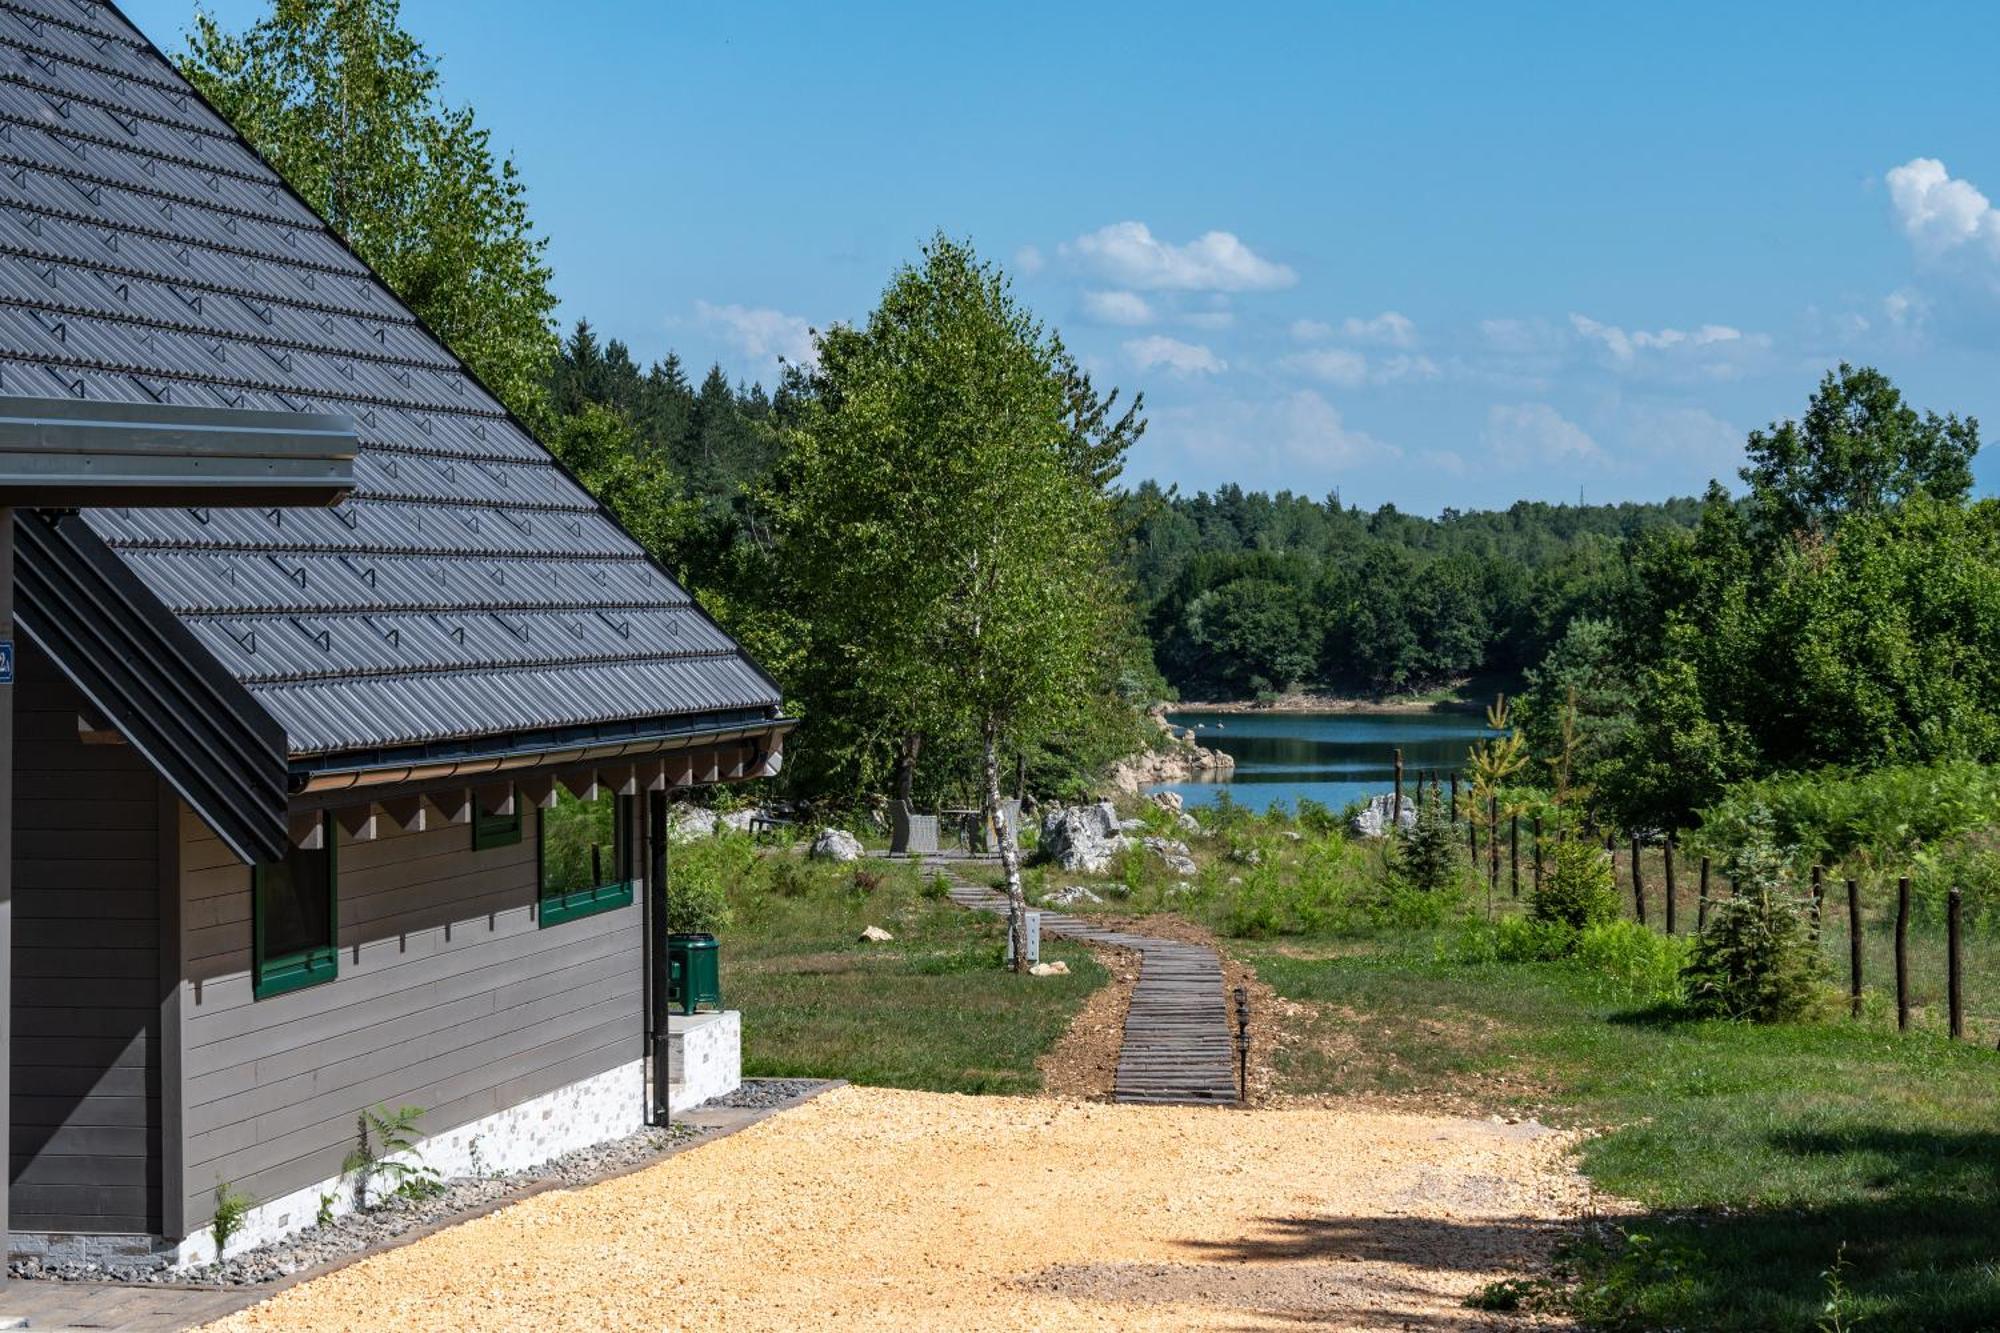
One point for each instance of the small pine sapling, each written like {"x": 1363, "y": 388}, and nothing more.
{"x": 1429, "y": 856}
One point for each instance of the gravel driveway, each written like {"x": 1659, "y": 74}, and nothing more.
{"x": 882, "y": 1209}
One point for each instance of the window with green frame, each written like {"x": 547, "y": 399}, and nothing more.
{"x": 490, "y": 831}
{"x": 295, "y": 919}
{"x": 586, "y": 856}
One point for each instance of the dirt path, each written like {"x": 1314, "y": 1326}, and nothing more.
{"x": 881, "y": 1209}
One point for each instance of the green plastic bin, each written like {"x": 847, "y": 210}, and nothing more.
{"x": 694, "y": 973}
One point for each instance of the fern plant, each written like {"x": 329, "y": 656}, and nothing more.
{"x": 385, "y": 1148}
{"x": 232, "y": 1207}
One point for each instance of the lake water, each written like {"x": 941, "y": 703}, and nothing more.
{"x": 1332, "y": 758}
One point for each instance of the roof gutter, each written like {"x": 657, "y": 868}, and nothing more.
{"x": 525, "y": 758}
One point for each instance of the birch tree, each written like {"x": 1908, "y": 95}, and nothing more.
{"x": 934, "y": 531}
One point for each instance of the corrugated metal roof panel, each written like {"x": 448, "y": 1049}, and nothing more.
{"x": 469, "y": 588}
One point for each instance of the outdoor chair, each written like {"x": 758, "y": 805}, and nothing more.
{"x": 911, "y": 834}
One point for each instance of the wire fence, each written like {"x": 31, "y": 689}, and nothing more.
{"x": 1897, "y": 965}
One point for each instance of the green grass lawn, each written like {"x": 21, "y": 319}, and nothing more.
{"x": 933, "y": 1010}
{"x": 1762, "y": 1156}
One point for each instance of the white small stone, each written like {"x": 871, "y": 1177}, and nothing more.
{"x": 875, "y": 935}
{"x": 1058, "y": 968}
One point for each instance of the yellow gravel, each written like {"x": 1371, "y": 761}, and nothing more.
{"x": 874, "y": 1209}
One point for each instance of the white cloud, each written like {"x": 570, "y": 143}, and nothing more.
{"x": 1117, "y": 308}
{"x": 1265, "y": 441}
{"x": 1335, "y": 365}
{"x": 1696, "y": 443}
{"x": 1312, "y": 431}
{"x": 1388, "y": 329}
{"x": 1128, "y": 253}
{"x": 1624, "y": 346}
{"x": 1209, "y": 319}
{"x": 1525, "y": 434}
{"x": 1351, "y": 369}
{"x": 1906, "y": 309}
{"x": 761, "y": 334}
{"x": 1030, "y": 260}
{"x": 1179, "y": 358}
{"x": 1940, "y": 213}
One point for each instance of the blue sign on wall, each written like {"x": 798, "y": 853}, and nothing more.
{"x": 6, "y": 661}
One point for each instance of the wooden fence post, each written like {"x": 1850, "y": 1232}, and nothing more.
{"x": 1701, "y": 900}
{"x": 1514, "y": 853}
{"x": 1854, "y": 945}
{"x": 1673, "y": 908}
{"x": 1903, "y": 954}
{"x": 1454, "y": 794}
{"x": 1493, "y": 843}
{"x": 1396, "y": 815}
{"x": 1954, "y": 963}
{"x": 1818, "y": 899}
{"x": 1536, "y": 836}
{"x": 1638, "y": 884}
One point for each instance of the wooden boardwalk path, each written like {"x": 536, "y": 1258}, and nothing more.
{"x": 1176, "y": 1047}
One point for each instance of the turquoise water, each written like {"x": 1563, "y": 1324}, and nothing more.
{"x": 1332, "y": 758}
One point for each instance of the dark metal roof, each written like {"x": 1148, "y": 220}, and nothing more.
{"x": 469, "y": 589}
{"x": 65, "y": 452}
{"x": 145, "y": 673}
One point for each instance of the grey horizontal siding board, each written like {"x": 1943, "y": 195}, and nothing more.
{"x": 473, "y": 1010}
{"x": 147, "y": 253}
{"x": 84, "y": 1101}
{"x": 578, "y": 1063}
{"x": 393, "y": 1005}
{"x": 444, "y": 1067}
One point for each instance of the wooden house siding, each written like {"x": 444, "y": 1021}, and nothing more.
{"x": 85, "y": 1097}
{"x": 449, "y": 997}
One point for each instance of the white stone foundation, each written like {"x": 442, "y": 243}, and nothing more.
{"x": 704, "y": 1057}
{"x": 605, "y": 1106}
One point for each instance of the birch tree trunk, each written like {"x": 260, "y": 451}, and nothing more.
{"x": 1010, "y": 852}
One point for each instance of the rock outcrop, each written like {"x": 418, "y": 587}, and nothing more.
{"x": 1082, "y": 837}
{"x": 833, "y": 844}
{"x": 1176, "y": 759}
{"x": 1372, "y": 819}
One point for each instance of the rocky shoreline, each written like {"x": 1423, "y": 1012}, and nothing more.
{"x": 1178, "y": 759}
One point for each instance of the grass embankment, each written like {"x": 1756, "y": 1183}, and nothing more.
{"x": 932, "y": 1010}
{"x": 1762, "y": 1158}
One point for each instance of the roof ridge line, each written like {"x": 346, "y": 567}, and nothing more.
{"x": 200, "y": 284}
{"x": 143, "y": 321}
{"x": 212, "y": 247}
{"x": 637, "y": 557}
{"x": 106, "y": 141}
{"x": 108, "y": 71}
{"x": 297, "y": 679}
{"x": 73, "y": 25}
{"x": 258, "y": 386}
{"x": 209, "y": 615}
{"x": 147, "y": 191}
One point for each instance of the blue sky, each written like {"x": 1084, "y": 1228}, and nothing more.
{"x": 1431, "y": 255}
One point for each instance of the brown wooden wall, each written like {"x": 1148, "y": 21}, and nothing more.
{"x": 85, "y": 1150}
{"x": 449, "y": 998}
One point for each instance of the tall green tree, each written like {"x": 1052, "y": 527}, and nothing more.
{"x": 1859, "y": 448}
{"x": 347, "y": 106}
{"x": 934, "y": 531}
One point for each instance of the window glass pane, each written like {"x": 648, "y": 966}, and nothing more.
{"x": 580, "y": 845}
{"x": 296, "y": 904}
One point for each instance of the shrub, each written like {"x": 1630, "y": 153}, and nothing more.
{"x": 700, "y": 875}
{"x": 1430, "y": 857}
{"x": 1756, "y": 960}
{"x": 1579, "y": 890}
{"x": 1646, "y": 964}
{"x": 1402, "y": 907}
{"x": 1970, "y": 862}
